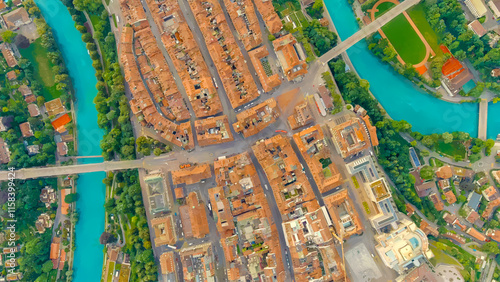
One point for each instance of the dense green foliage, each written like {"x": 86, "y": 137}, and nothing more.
{"x": 111, "y": 103}
{"x": 447, "y": 18}
{"x": 316, "y": 10}
{"x": 35, "y": 252}
{"x": 129, "y": 201}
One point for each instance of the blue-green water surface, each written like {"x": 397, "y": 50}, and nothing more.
{"x": 401, "y": 99}
{"x": 88, "y": 256}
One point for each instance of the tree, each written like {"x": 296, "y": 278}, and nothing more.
{"x": 47, "y": 266}
{"x": 70, "y": 198}
{"x": 427, "y": 172}
{"x": 8, "y": 36}
{"x": 157, "y": 151}
{"x": 447, "y": 137}
{"x": 491, "y": 248}
{"x": 424, "y": 153}
{"x": 428, "y": 141}
{"x": 460, "y": 55}
{"x": 271, "y": 37}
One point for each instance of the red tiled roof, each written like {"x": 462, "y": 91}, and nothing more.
{"x": 61, "y": 121}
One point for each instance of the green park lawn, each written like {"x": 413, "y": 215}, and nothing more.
{"x": 417, "y": 14}
{"x": 442, "y": 257}
{"x": 383, "y": 7}
{"x": 42, "y": 65}
{"x": 405, "y": 40}
{"x": 455, "y": 148}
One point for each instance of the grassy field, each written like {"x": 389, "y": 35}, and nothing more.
{"x": 442, "y": 257}
{"x": 417, "y": 14}
{"x": 111, "y": 269}
{"x": 454, "y": 148}
{"x": 383, "y": 7}
{"x": 43, "y": 73}
{"x": 405, "y": 40}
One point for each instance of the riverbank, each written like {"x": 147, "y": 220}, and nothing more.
{"x": 88, "y": 255}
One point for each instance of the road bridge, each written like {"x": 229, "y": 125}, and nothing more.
{"x": 483, "y": 119}
{"x": 367, "y": 30}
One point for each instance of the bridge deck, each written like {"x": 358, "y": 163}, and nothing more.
{"x": 367, "y": 30}
{"x": 483, "y": 119}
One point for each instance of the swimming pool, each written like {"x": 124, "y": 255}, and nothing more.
{"x": 468, "y": 86}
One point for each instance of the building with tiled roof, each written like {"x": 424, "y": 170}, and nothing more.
{"x": 33, "y": 110}
{"x": 316, "y": 153}
{"x": 64, "y": 204}
{"x": 8, "y": 54}
{"x": 284, "y": 171}
{"x": 259, "y": 58}
{"x": 167, "y": 263}
{"x": 444, "y": 184}
{"x": 423, "y": 188}
{"x": 54, "y": 107}
{"x": 179, "y": 192}
{"x": 4, "y": 152}
{"x": 17, "y": 18}
{"x": 271, "y": 18}
{"x": 444, "y": 172}
{"x": 194, "y": 217}
{"x": 239, "y": 199}
{"x": 192, "y": 174}
{"x": 490, "y": 208}
{"x": 301, "y": 116}
{"x": 490, "y": 193}
{"x": 455, "y": 74}
{"x": 349, "y": 135}
{"x": 450, "y": 196}
{"x": 423, "y": 273}
{"x": 253, "y": 120}
{"x": 164, "y": 230}
{"x": 186, "y": 57}
{"x": 242, "y": 14}
{"x": 26, "y": 129}
{"x": 60, "y": 123}
{"x": 476, "y": 234}
{"x": 43, "y": 222}
{"x": 438, "y": 204}
{"x": 198, "y": 263}
{"x": 30, "y": 99}
{"x": 309, "y": 238}
{"x": 11, "y": 75}
{"x": 477, "y": 28}
{"x": 55, "y": 251}
{"x": 401, "y": 248}
{"x": 25, "y": 90}
{"x": 48, "y": 196}
{"x": 326, "y": 96}
{"x": 226, "y": 55}
{"x": 494, "y": 234}
{"x": 62, "y": 148}
{"x": 213, "y": 130}
{"x": 291, "y": 57}
{"x": 472, "y": 217}
{"x": 428, "y": 229}
{"x": 344, "y": 216}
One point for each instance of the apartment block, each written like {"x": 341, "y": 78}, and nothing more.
{"x": 352, "y": 134}
{"x": 245, "y": 22}
{"x": 268, "y": 79}
{"x": 301, "y": 116}
{"x": 284, "y": 172}
{"x": 228, "y": 59}
{"x": 314, "y": 149}
{"x": 252, "y": 121}
{"x": 213, "y": 130}
{"x": 291, "y": 56}
{"x": 345, "y": 218}
{"x": 185, "y": 53}
{"x": 271, "y": 18}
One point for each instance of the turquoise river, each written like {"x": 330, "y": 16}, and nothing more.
{"x": 88, "y": 256}
{"x": 396, "y": 94}
{"x": 401, "y": 98}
